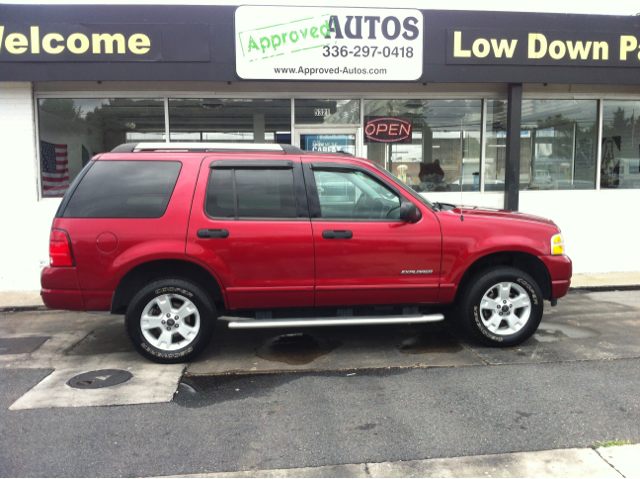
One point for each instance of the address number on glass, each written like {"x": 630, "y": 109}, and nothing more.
{"x": 321, "y": 112}
{"x": 358, "y": 51}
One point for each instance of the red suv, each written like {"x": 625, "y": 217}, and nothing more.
{"x": 175, "y": 235}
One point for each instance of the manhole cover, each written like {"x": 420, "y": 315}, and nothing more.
{"x": 102, "y": 378}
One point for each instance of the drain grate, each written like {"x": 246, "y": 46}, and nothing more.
{"x": 102, "y": 378}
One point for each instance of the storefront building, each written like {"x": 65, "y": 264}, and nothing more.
{"x": 529, "y": 112}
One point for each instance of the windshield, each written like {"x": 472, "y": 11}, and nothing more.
{"x": 399, "y": 182}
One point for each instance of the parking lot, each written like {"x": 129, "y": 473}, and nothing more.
{"x": 308, "y": 397}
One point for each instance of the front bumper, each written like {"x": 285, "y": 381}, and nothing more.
{"x": 560, "y": 269}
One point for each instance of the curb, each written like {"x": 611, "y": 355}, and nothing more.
{"x": 615, "y": 461}
{"x": 599, "y": 289}
{"x": 21, "y": 309}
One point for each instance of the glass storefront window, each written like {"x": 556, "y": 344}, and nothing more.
{"x": 558, "y": 144}
{"x": 558, "y": 140}
{"x": 73, "y": 130}
{"x": 495, "y": 145}
{"x": 327, "y": 112}
{"x": 620, "y": 144}
{"x": 444, "y": 153}
{"x": 230, "y": 120}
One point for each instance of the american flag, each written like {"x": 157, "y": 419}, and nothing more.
{"x": 55, "y": 169}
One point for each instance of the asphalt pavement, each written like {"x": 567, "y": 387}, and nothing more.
{"x": 333, "y": 398}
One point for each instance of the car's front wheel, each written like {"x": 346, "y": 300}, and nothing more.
{"x": 170, "y": 321}
{"x": 501, "y": 307}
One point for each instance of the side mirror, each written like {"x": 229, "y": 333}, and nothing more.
{"x": 410, "y": 212}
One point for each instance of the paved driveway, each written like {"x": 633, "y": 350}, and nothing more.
{"x": 277, "y": 398}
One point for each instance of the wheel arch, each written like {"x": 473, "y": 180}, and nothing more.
{"x": 527, "y": 262}
{"x": 150, "y": 271}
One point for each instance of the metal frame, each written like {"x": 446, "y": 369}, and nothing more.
{"x": 599, "y": 146}
{"x": 512, "y": 163}
{"x": 483, "y": 147}
{"x": 167, "y": 129}
{"x": 36, "y": 118}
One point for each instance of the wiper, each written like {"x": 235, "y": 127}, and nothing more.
{"x": 438, "y": 205}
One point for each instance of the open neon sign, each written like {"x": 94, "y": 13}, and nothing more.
{"x": 387, "y": 130}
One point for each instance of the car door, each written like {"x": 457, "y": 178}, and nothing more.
{"x": 250, "y": 225}
{"x": 364, "y": 253}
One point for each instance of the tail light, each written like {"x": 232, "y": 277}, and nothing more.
{"x": 59, "y": 249}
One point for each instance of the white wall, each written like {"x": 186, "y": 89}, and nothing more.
{"x": 601, "y": 228}
{"x": 24, "y": 236}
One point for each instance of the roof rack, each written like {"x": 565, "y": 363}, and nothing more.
{"x": 207, "y": 147}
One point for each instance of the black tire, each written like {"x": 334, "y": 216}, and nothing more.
{"x": 165, "y": 297}
{"x": 475, "y": 310}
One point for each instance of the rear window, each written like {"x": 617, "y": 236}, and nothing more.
{"x": 124, "y": 189}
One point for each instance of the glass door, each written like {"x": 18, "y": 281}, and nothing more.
{"x": 329, "y": 139}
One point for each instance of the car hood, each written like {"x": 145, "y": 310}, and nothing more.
{"x": 479, "y": 212}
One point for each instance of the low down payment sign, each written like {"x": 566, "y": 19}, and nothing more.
{"x": 328, "y": 43}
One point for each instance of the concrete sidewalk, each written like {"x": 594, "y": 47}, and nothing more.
{"x": 32, "y": 299}
{"x": 614, "y": 461}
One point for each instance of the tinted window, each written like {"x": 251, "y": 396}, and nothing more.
{"x": 220, "y": 194}
{"x": 124, "y": 189}
{"x": 260, "y": 193}
{"x": 350, "y": 194}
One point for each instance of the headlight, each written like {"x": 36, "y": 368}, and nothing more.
{"x": 557, "y": 244}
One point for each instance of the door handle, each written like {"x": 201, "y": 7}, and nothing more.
{"x": 213, "y": 233}
{"x": 337, "y": 234}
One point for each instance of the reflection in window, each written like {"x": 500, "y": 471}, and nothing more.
{"x": 350, "y": 194}
{"x": 73, "y": 130}
{"x": 331, "y": 112}
{"x": 444, "y": 154}
{"x": 230, "y": 120}
{"x": 558, "y": 144}
{"x": 620, "y": 144}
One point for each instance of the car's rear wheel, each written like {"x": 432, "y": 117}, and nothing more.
{"x": 170, "y": 320}
{"x": 501, "y": 307}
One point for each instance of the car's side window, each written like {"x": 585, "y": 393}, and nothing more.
{"x": 251, "y": 193}
{"x": 352, "y": 194}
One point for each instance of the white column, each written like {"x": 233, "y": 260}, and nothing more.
{"x": 25, "y": 220}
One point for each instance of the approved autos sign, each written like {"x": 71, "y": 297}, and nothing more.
{"x": 328, "y": 43}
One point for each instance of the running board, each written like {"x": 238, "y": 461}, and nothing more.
{"x": 346, "y": 321}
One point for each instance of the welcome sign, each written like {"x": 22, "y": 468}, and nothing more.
{"x": 328, "y": 43}
{"x": 74, "y": 42}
